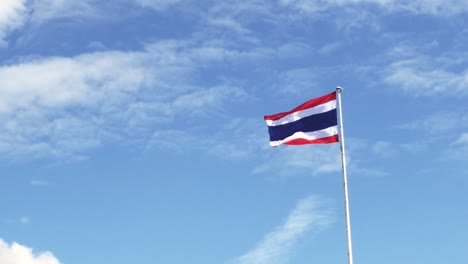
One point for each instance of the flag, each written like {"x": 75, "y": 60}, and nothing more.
{"x": 313, "y": 122}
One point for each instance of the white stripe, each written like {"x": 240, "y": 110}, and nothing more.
{"x": 327, "y": 132}
{"x": 303, "y": 113}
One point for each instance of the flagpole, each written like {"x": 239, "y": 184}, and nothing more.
{"x": 345, "y": 180}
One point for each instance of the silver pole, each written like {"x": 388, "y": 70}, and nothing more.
{"x": 345, "y": 180}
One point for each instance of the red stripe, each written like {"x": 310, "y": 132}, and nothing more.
{"x": 301, "y": 141}
{"x": 309, "y": 104}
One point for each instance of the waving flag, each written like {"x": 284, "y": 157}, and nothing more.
{"x": 313, "y": 122}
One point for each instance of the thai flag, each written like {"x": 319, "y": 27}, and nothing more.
{"x": 314, "y": 122}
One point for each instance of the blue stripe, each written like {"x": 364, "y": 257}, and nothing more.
{"x": 306, "y": 124}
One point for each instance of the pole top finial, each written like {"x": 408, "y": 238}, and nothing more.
{"x": 339, "y": 89}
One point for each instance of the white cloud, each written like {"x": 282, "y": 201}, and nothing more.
{"x": 235, "y": 139}
{"x": 462, "y": 139}
{"x": 44, "y": 10}
{"x": 38, "y": 182}
{"x": 159, "y": 5}
{"x": 194, "y": 102}
{"x": 369, "y": 172}
{"x": 443, "y": 131}
{"x": 275, "y": 248}
{"x": 330, "y": 48}
{"x": 415, "y": 147}
{"x": 56, "y": 106}
{"x": 406, "y": 50}
{"x": 419, "y": 77}
{"x": 384, "y": 149}
{"x": 298, "y": 80}
{"x": 432, "y": 7}
{"x": 63, "y": 106}
{"x": 15, "y": 253}
{"x": 24, "y": 220}
{"x": 456, "y": 151}
{"x": 236, "y": 16}
{"x": 287, "y": 161}
{"x": 438, "y": 123}
{"x": 60, "y": 82}
{"x": 13, "y": 14}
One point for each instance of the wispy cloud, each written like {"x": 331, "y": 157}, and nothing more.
{"x": 70, "y": 105}
{"x": 45, "y": 10}
{"x": 349, "y": 15}
{"x": 419, "y": 77}
{"x": 15, "y": 253}
{"x": 13, "y": 14}
{"x": 298, "y": 80}
{"x": 159, "y": 5}
{"x": 437, "y": 123}
{"x": 443, "y": 130}
{"x": 289, "y": 161}
{"x": 24, "y": 220}
{"x": 39, "y": 112}
{"x": 275, "y": 248}
{"x": 236, "y": 139}
{"x": 38, "y": 183}
{"x": 432, "y": 7}
{"x": 237, "y": 17}
{"x": 425, "y": 69}
{"x": 384, "y": 149}
{"x": 462, "y": 139}
{"x": 329, "y": 48}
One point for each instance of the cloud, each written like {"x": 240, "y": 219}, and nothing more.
{"x": 15, "y": 253}
{"x": 159, "y": 5}
{"x": 457, "y": 150}
{"x": 233, "y": 139}
{"x": 38, "y": 182}
{"x": 288, "y": 161}
{"x": 462, "y": 139}
{"x": 236, "y": 16}
{"x": 438, "y": 123}
{"x": 384, "y": 149}
{"x": 243, "y": 138}
{"x": 432, "y": 7}
{"x": 24, "y": 220}
{"x": 275, "y": 248}
{"x": 330, "y": 48}
{"x": 298, "y": 80}
{"x": 420, "y": 77}
{"x": 349, "y": 15}
{"x": 59, "y": 108}
{"x": 13, "y": 14}
{"x": 425, "y": 68}
{"x": 443, "y": 131}
{"x": 67, "y": 106}
{"x": 45, "y": 10}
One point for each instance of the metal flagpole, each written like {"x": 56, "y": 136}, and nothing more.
{"x": 345, "y": 180}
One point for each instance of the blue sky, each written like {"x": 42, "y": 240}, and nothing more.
{"x": 133, "y": 132}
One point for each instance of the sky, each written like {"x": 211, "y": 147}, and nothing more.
{"x": 132, "y": 131}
